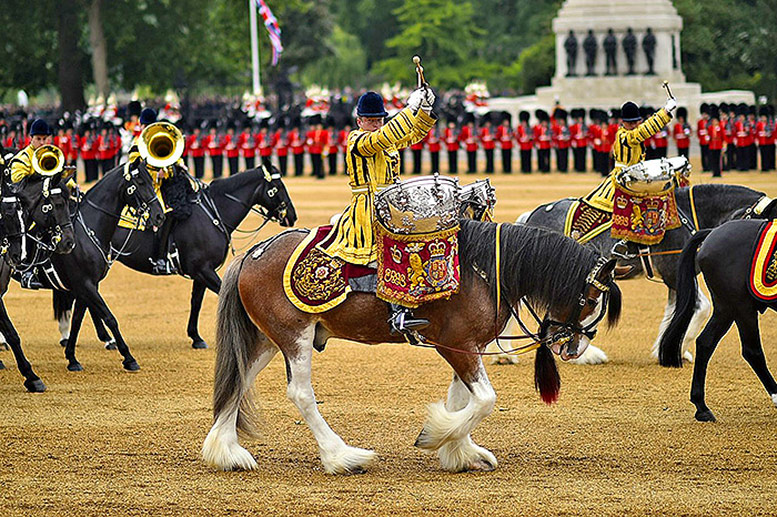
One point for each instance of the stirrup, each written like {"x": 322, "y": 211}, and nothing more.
{"x": 162, "y": 267}
{"x": 621, "y": 250}
{"x": 402, "y": 321}
{"x": 28, "y": 280}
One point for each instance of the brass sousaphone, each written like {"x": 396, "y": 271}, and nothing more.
{"x": 48, "y": 160}
{"x": 161, "y": 144}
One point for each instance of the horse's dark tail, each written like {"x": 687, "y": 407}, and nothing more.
{"x": 236, "y": 339}
{"x": 670, "y": 348}
{"x": 546, "y": 378}
{"x": 62, "y": 302}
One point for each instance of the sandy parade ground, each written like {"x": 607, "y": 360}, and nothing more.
{"x": 621, "y": 440}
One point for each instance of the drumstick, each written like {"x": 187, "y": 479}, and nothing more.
{"x": 419, "y": 70}
{"x": 668, "y": 90}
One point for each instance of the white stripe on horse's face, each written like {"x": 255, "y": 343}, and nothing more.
{"x": 584, "y": 341}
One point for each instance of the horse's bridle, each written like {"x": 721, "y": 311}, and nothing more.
{"x": 572, "y": 326}
{"x": 277, "y": 213}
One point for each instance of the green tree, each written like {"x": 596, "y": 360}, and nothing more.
{"x": 443, "y": 33}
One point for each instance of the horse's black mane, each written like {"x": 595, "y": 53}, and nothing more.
{"x": 715, "y": 202}
{"x": 545, "y": 266}
{"x": 232, "y": 183}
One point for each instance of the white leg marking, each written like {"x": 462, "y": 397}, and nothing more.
{"x": 671, "y": 302}
{"x": 64, "y": 324}
{"x": 447, "y": 429}
{"x": 337, "y": 457}
{"x": 774, "y": 399}
{"x": 701, "y": 314}
{"x": 221, "y": 448}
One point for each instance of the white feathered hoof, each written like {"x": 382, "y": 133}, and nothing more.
{"x": 774, "y": 399}
{"x": 688, "y": 357}
{"x": 591, "y": 355}
{"x": 347, "y": 460}
{"x": 226, "y": 454}
{"x": 465, "y": 456}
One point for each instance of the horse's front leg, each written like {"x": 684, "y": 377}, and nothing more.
{"x": 471, "y": 398}
{"x": 337, "y": 457}
{"x": 206, "y": 278}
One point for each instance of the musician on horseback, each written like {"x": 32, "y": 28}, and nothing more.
{"x": 175, "y": 191}
{"x": 628, "y": 147}
{"x": 372, "y": 163}
{"x": 21, "y": 166}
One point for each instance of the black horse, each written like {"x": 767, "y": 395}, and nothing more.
{"x": 725, "y": 260}
{"x": 202, "y": 240}
{"x": 95, "y": 221}
{"x": 713, "y": 204}
{"x": 34, "y": 223}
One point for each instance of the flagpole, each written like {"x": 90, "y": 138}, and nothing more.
{"x": 257, "y": 85}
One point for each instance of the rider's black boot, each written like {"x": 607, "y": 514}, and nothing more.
{"x": 402, "y": 320}
{"x": 30, "y": 281}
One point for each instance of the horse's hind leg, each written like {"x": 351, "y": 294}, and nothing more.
{"x": 753, "y": 351}
{"x": 448, "y": 426}
{"x": 221, "y": 447}
{"x": 337, "y": 457}
{"x": 708, "y": 340}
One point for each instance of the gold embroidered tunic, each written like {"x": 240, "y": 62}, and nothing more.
{"x": 627, "y": 149}
{"x": 372, "y": 163}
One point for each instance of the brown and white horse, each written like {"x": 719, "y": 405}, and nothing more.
{"x": 553, "y": 273}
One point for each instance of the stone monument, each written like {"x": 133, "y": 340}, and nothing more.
{"x": 630, "y": 48}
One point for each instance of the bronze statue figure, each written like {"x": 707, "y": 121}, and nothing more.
{"x": 590, "y": 45}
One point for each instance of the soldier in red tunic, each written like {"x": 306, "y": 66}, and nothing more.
{"x": 523, "y": 135}
{"x": 451, "y": 139}
{"x": 579, "y": 135}
{"x": 542, "y": 140}
{"x": 488, "y": 142}
{"x": 247, "y": 147}
{"x": 562, "y": 140}
{"x": 701, "y": 132}
{"x": 504, "y": 134}
{"x": 280, "y": 143}
{"x": 468, "y": 136}
{"x": 716, "y": 139}
{"x": 231, "y": 148}
{"x": 433, "y": 141}
{"x": 196, "y": 147}
{"x": 765, "y": 134}
{"x": 214, "y": 149}
{"x": 417, "y": 149}
{"x": 681, "y": 131}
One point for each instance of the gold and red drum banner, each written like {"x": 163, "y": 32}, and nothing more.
{"x": 643, "y": 218}
{"x": 419, "y": 268}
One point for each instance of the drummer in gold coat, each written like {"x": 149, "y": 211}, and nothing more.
{"x": 372, "y": 163}
{"x": 628, "y": 148}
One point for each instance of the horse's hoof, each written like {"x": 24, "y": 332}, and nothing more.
{"x": 199, "y": 345}
{"x": 705, "y": 416}
{"x": 63, "y": 343}
{"x": 502, "y": 360}
{"x": 2, "y": 366}
{"x": 35, "y": 386}
{"x": 481, "y": 465}
{"x": 131, "y": 366}
{"x": 75, "y": 367}
{"x": 111, "y": 345}
{"x": 4, "y": 346}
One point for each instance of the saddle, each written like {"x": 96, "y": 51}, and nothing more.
{"x": 315, "y": 282}
{"x": 763, "y": 270}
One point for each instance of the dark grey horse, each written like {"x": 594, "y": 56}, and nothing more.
{"x": 714, "y": 204}
{"x": 727, "y": 277}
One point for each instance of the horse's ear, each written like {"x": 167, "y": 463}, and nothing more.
{"x": 606, "y": 272}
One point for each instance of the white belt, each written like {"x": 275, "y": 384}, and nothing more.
{"x": 365, "y": 189}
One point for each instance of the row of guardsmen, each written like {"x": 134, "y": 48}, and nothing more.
{"x": 730, "y": 137}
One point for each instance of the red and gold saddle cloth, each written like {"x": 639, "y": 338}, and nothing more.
{"x": 315, "y": 282}
{"x": 643, "y": 218}
{"x": 584, "y": 222}
{"x": 419, "y": 268}
{"x": 763, "y": 271}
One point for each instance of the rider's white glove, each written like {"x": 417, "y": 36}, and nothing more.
{"x": 428, "y": 100}
{"x": 670, "y": 105}
{"x": 415, "y": 99}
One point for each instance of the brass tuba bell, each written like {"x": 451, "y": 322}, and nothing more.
{"x": 161, "y": 144}
{"x": 48, "y": 160}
